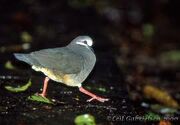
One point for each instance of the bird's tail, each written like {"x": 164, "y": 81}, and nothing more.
{"x": 24, "y": 57}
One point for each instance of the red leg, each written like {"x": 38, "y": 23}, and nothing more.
{"x": 94, "y": 97}
{"x": 43, "y": 94}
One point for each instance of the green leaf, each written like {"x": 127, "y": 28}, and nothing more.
{"x": 19, "y": 88}
{"x": 39, "y": 98}
{"x": 85, "y": 119}
{"x": 9, "y": 65}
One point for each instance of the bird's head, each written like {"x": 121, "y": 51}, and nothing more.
{"x": 85, "y": 41}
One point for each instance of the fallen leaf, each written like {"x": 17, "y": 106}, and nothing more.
{"x": 160, "y": 96}
{"x": 39, "y": 98}
{"x": 85, "y": 119}
{"x": 19, "y": 88}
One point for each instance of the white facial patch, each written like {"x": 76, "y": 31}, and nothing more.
{"x": 89, "y": 42}
{"x": 83, "y": 44}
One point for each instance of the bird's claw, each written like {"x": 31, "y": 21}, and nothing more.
{"x": 98, "y": 99}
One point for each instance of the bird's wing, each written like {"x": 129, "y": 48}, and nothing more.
{"x": 59, "y": 59}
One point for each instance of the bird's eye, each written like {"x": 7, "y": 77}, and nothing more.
{"x": 85, "y": 42}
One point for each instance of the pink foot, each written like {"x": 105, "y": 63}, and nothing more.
{"x": 94, "y": 97}
{"x": 98, "y": 98}
{"x": 43, "y": 94}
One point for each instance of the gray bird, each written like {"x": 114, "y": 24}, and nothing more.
{"x": 69, "y": 65}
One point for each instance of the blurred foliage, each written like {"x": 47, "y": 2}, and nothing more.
{"x": 148, "y": 30}
{"x": 85, "y": 119}
{"x": 9, "y": 65}
{"x": 26, "y": 37}
{"x": 15, "y": 48}
{"x": 19, "y": 88}
{"x": 160, "y": 96}
{"x": 39, "y": 98}
{"x": 170, "y": 57}
{"x": 98, "y": 88}
{"x": 163, "y": 109}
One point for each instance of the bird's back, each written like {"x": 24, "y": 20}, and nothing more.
{"x": 66, "y": 65}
